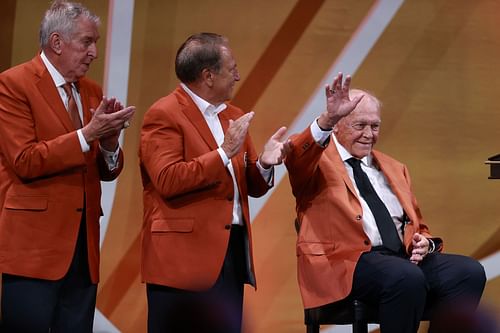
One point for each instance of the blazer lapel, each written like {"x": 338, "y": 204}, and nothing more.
{"x": 397, "y": 182}
{"x": 84, "y": 96}
{"x": 224, "y": 119}
{"x": 194, "y": 115}
{"x": 339, "y": 166}
{"x": 49, "y": 92}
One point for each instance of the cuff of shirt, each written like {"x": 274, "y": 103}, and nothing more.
{"x": 319, "y": 135}
{"x": 111, "y": 157}
{"x": 223, "y": 155}
{"x": 83, "y": 143}
{"x": 432, "y": 245}
{"x": 267, "y": 174}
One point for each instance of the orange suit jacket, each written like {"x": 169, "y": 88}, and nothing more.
{"x": 45, "y": 178}
{"x": 331, "y": 237}
{"x": 188, "y": 194}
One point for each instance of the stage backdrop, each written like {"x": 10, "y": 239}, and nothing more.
{"x": 433, "y": 63}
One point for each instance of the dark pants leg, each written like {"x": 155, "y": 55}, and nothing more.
{"x": 66, "y": 305}
{"x": 27, "y": 304}
{"x": 217, "y": 310}
{"x": 403, "y": 290}
{"x": 456, "y": 285}
{"x": 395, "y": 285}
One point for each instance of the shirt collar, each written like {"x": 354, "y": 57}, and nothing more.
{"x": 205, "y": 107}
{"x": 58, "y": 79}
{"x": 345, "y": 155}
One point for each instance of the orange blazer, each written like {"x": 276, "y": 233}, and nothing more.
{"x": 45, "y": 178}
{"x": 188, "y": 194}
{"x": 331, "y": 237}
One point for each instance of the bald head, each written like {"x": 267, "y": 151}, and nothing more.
{"x": 358, "y": 131}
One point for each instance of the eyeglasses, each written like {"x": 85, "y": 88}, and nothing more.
{"x": 361, "y": 126}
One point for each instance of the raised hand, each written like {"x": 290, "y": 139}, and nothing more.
{"x": 275, "y": 149}
{"x": 236, "y": 133}
{"x": 107, "y": 122}
{"x": 338, "y": 103}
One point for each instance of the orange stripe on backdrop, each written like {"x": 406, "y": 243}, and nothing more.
{"x": 121, "y": 295}
{"x": 120, "y": 280}
{"x": 276, "y": 53}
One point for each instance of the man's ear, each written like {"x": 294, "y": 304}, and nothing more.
{"x": 55, "y": 43}
{"x": 207, "y": 77}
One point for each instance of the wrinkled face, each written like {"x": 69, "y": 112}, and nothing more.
{"x": 225, "y": 79}
{"x": 79, "y": 51}
{"x": 358, "y": 132}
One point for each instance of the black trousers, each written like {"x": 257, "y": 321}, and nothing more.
{"x": 218, "y": 310}
{"x": 403, "y": 290}
{"x": 67, "y": 305}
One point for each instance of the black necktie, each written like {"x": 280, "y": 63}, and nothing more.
{"x": 385, "y": 224}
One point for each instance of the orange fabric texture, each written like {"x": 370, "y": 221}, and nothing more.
{"x": 188, "y": 196}
{"x": 46, "y": 178}
{"x": 331, "y": 237}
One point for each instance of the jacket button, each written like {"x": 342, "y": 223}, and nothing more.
{"x": 358, "y": 217}
{"x": 229, "y": 198}
{"x": 79, "y": 209}
{"x": 227, "y": 226}
{"x": 367, "y": 242}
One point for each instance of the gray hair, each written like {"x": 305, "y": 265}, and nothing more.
{"x": 368, "y": 96}
{"x": 62, "y": 17}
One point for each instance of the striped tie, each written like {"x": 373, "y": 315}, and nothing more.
{"x": 72, "y": 108}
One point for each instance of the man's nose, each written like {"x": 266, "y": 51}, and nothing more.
{"x": 92, "y": 51}
{"x": 368, "y": 131}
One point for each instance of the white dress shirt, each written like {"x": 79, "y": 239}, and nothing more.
{"x": 111, "y": 158}
{"x": 379, "y": 183}
{"x": 211, "y": 115}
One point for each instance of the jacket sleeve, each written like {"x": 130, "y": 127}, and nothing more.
{"x": 104, "y": 172}
{"x": 257, "y": 185}
{"x": 302, "y": 161}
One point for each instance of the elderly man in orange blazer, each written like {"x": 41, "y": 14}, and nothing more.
{"x": 198, "y": 166}
{"x": 53, "y": 154}
{"x": 361, "y": 231}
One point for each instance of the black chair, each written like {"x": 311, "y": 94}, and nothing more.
{"x": 345, "y": 312}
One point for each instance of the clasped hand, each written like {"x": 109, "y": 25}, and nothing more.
{"x": 420, "y": 248}
{"x": 107, "y": 122}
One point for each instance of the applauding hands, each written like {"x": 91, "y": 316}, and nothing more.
{"x": 275, "y": 148}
